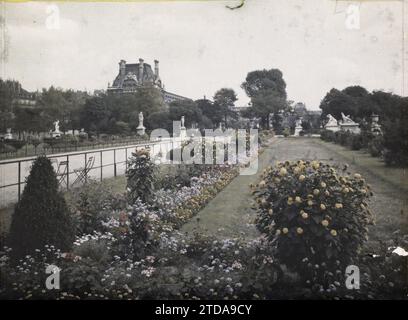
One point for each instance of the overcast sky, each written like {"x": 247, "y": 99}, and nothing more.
{"x": 203, "y": 46}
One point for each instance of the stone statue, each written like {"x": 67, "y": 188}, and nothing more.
{"x": 349, "y": 125}
{"x": 346, "y": 119}
{"x": 375, "y": 126}
{"x": 299, "y": 122}
{"x": 8, "y": 135}
{"x": 56, "y": 126}
{"x": 182, "y": 121}
{"x": 298, "y": 127}
{"x": 140, "y": 128}
{"x": 332, "y": 121}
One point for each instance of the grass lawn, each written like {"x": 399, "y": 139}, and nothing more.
{"x": 117, "y": 185}
{"x": 398, "y": 177}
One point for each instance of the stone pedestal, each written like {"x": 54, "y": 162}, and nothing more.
{"x": 297, "y": 130}
{"x": 8, "y": 135}
{"x": 55, "y": 134}
{"x": 333, "y": 128}
{"x": 351, "y": 127}
{"x": 141, "y": 131}
{"x": 183, "y": 133}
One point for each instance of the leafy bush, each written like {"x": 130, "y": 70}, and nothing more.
{"x": 311, "y": 213}
{"x": 355, "y": 141}
{"x": 327, "y": 135}
{"x": 41, "y": 217}
{"x": 16, "y": 144}
{"x": 92, "y": 203}
{"x": 396, "y": 141}
{"x": 140, "y": 176}
{"x": 286, "y": 132}
{"x": 376, "y": 146}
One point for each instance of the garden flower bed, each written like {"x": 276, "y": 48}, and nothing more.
{"x": 312, "y": 217}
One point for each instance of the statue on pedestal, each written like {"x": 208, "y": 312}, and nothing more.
{"x": 298, "y": 127}
{"x": 349, "y": 125}
{"x": 56, "y": 133}
{"x": 141, "y": 128}
{"x": 8, "y": 135}
{"x": 331, "y": 124}
{"x": 375, "y": 126}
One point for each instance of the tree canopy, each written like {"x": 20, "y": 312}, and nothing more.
{"x": 267, "y": 90}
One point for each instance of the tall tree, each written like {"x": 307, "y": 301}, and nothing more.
{"x": 267, "y": 91}
{"x": 224, "y": 101}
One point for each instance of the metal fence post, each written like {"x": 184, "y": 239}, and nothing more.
{"x": 19, "y": 179}
{"x": 86, "y": 160}
{"x": 67, "y": 172}
{"x": 114, "y": 162}
{"x": 126, "y": 159}
{"x": 101, "y": 167}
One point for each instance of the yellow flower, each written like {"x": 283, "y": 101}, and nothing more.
{"x": 327, "y": 193}
{"x": 325, "y": 223}
{"x": 283, "y": 172}
{"x": 299, "y": 230}
{"x": 296, "y": 170}
{"x": 322, "y": 206}
{"x": 285, "y": 230}
{"x": 305, "y": 215}
{"x": 357, "y": 176}
{"x": 333, "y": 232}
{"x": 315, "y": 165}
{"x": 339, "y": 205}
{"x": 323, "y": 185}
{"x": 277, "y": 180}
{"x": 363, "y": 191}
{"x": 262, "y": 184}
{"x": 278, "y": 232}
{"x": 346, "y": 190}
{"x": 298, "y": 200}
{"x": 270, "y": 211}
{"x": 310, "y": 203}
{"x": 302, "y": 177}
{"x": 316, "y": 192}
{"x": 290, "y": 200}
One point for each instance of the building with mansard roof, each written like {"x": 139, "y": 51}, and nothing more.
{"x": 133, "y": 76}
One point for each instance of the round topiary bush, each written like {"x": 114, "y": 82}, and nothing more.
{"x": 41, "y": 217}
{"x": 311, "y": 213}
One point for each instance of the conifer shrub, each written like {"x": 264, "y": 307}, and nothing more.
{"x": 41, "y": 217}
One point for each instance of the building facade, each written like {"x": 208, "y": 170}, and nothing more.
{"x": 133, "y": 76}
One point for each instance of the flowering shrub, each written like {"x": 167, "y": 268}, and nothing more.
{"x": 312, "y": 215}
{"x": 93, "y": 203}
{"x": 140, "y": 176}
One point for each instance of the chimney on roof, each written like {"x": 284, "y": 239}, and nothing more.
{"x": 156, "y": 68}
{"x": 141, "y": 66}
{"x": 122, "y": 67}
